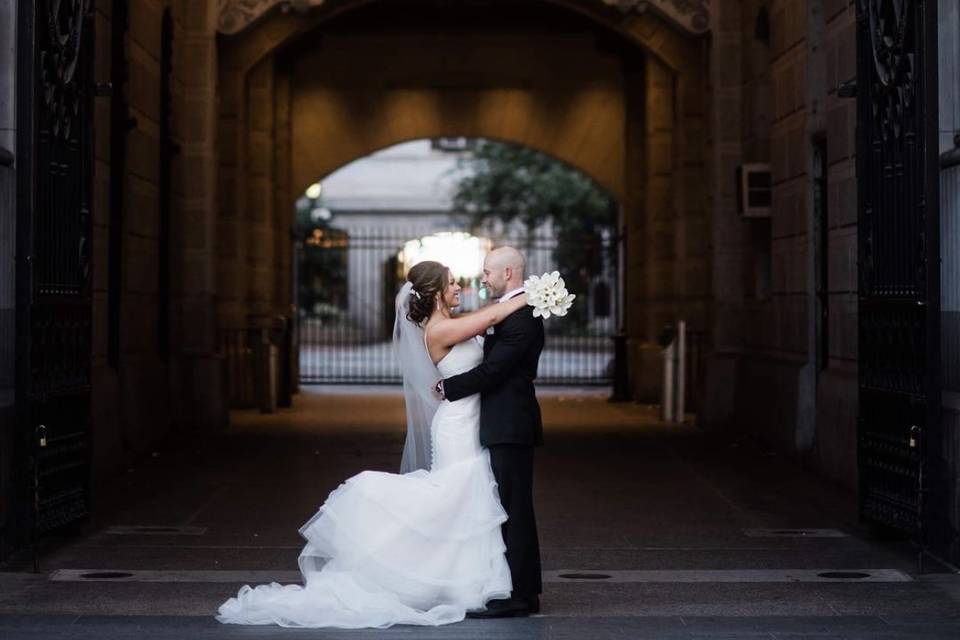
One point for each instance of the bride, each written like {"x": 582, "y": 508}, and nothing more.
{"x": 421, "y": 547}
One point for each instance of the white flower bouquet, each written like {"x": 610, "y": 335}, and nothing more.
{"x": 548, "y": 295}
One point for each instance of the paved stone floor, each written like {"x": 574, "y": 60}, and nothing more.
{"x": 679, "y": 519}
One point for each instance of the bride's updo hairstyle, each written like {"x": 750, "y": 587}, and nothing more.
{"x": 429, "y": 279}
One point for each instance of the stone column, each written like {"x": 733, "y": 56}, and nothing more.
{"x": 231, "y": 228}
{"x": 786, "y": 367}
{"x": 836, "y": 393}
{"x": 727, "y": 235}
{"x": 258, "y": 183}
{"x": 635, "y": 228}
{"x": 198, "y": 371}
{"x": 652, "y": 251}
{"x": 283, "y": 198}
{"x": 690, "y": 201}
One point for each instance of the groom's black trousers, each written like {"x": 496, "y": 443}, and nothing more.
{"x": 513, "y": 469}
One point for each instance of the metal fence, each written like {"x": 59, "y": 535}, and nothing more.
{"x": 347, "y": 283}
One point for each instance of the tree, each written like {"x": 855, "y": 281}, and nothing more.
{"x": 514, "y": 184}
{"x": 510, "y": 183}
{"x": 322, "y": 281}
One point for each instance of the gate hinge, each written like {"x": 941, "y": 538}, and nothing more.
{"x": 847, "y": 89}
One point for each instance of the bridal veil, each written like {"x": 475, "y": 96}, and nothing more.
{"x": 419, "y": 377}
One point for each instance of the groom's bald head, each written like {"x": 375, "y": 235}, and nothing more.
{"x": 507, "y": 258}
{"x": 503, "y": 270}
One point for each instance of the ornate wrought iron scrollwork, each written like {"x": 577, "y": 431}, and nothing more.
{"x": 898, "y": 319}
{"x": 59, "y": 58}
{"x": 893, "y": 342}
{"x": 893, "y": 83}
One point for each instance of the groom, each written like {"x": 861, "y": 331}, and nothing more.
{"x": 510, "y": 426}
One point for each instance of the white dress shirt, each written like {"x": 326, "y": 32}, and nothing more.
{"x": 510, "y": 294}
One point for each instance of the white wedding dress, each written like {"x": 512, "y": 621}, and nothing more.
{"x": 420, "y": 548}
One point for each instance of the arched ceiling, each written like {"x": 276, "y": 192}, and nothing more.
{"x": 347, "y": 103}
{"x": 691, "y": 16}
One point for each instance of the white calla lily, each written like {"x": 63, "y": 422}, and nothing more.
{"x": 548, "y": 295}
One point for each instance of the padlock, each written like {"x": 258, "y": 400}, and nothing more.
{"x": 914, "y": 430}
{"x": 42, "y": 430}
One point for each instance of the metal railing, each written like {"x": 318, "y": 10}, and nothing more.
{"x": 347, "y": 283}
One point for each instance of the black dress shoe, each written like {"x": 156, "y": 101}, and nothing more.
{"x": 508, "y": 608}
{"x": 533, "y": 604}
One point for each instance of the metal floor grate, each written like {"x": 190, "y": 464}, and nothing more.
{"x": 794, "y": 533}
{"x": 154, "y": 530}
{"x": 704, "y": 576}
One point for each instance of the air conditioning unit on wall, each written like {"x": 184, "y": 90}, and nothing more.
{"x": 753, "y": 190}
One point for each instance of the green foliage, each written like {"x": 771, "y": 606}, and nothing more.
{"x": 511, "y": 184}
{"x": 322, "y": 281}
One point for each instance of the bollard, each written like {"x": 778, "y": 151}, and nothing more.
{"x": 680, "y": 413}
{"x": 666, "y": 404}
{"x": 265, "y": 372}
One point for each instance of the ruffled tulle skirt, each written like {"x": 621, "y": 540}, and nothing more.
{"x": 421, "y": 548}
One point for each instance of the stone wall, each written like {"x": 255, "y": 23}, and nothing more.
{"x": 360, "y": 93}
{"x": 777, "y": 67}
{"x": 131, "y": 399}
{"x": 775, "y": 395}
{"x": 836, "y": 444}
{"x": 148, "y": 392}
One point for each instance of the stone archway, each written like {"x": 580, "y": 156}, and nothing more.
{"x": 300, "y": 96}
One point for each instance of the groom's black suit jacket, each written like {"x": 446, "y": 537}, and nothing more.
{"x": 509, "y": 412}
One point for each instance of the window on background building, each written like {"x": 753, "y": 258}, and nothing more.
{"x": 452, "y": 144}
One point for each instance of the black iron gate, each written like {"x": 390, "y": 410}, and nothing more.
{"x": 348, "y": 281}
{"x": 899, "y": 337}
{"x": 54, "y": 154}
